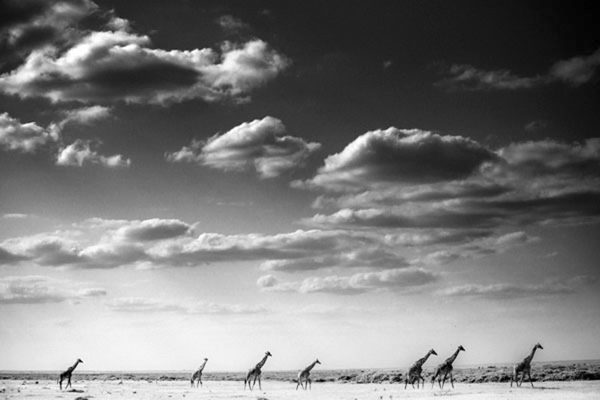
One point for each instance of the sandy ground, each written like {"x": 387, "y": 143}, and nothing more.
{"x": 273, "y": 390}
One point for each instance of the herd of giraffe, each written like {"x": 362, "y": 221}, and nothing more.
{"x": 414, "y": 374}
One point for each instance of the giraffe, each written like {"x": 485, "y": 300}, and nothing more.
{"x": 304, "y": 375}
{"x": 414, "y": 373}
{"x": 256, "y": 373}
{"x": 445, "y": 369}
{"x": 524, "y": 367}
{"x": 198, "y": 374}
{"x": 67, "y": 374}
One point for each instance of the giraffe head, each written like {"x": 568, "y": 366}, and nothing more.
{"x": 538, "y": 346}
{"x": 79, "y": 360}
{"x": 432, "y": 351}
{"x": 205, "y": 359}
{"x": 317, "y": 361}
{"x": 268, "y": 354}
{"x": 460, "y": 348}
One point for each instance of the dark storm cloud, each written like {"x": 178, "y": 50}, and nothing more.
{"x": 395, "y": 155}
{"x": 261, "y": 145}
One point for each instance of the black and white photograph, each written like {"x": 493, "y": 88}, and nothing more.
{"x": 280, "y": 200}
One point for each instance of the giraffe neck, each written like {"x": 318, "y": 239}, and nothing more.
{"x": 202, "y": 366}
{"x": 424, "y": 359}
{"x": 74, "y": 366}
{"x": 453, "y": 357}
{"x": 311, "y": 366}
{"x": 262, "y": 362}
{"x": 530, "y": 357}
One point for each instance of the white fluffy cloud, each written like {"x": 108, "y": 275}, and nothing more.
{"x": 27, "y": 137}
{"x": 394, "y": 155}
{"x": 261, "y": 145}
{"x": 108, "y": 66}
{"x": 80, "y": 153}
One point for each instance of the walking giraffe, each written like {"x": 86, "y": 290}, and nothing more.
{"x": 524, "y": 367}
{"x": 67, "y": 374}
{"x": 256, "y": 373}
{"x": 445, "y": 369}
{"x": 414, "y": 373}
{"x": 304, "y": 375}
{"x": 198, "y": 374}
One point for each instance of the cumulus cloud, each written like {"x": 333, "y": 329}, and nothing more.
{"x": 529, "y": 182}
{"x": 30, "y": 138}
{"x": 23, "y": 137}
{"x": 261, "y": 145}
{"x": 147, "y": 305}
{"x": 38, "y": 24}
{"x": 505, "y": 291}
{"x": 80, "y": 153}
{"x": 575, "y": 71}
{"x": 394, "y": 279}
{"x": 107, "y": 66}
{"x": 400, "y": 156}
{"x": 35, "y": 289}
{"x": 56, "y": 250}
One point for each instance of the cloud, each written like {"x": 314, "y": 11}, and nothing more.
{"x": 80, "y": 153}
{"x": 7, "y": 257}
{"x": 110, "y": 66}
{"x": 535, "y": 182}
{"x": 154, "y": 229}
{"x": 31, "y": 138}
{"x": 25, "y": 138}
{"x": 38, "y": 24}
{"x": 467, "y": 77}
{"x": 147, "y": 305}
{"x": 578, "y": 70}
{"x": 504, "y": 291}
{"x": 394, "y": 280}
{"x": 231, "y": 24}
{"x": 56, "y": 250}
{"x": 399, "y": 156}
{"x": 260, "y": 145}
{"x": 575, "y": 71}
{"x": 41, "y": 289}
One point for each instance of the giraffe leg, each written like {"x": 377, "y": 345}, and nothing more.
{"x": 522, "y": 378}
{"x": 259, "y": 387}
{"x": 444, "y": 381}
{"x": 452, "y": 380}
{"x": 68, "y": 382}
{"x": 310, "y": 383}
{"x": 530, "y": 381}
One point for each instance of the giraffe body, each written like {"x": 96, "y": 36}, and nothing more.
{"x": 197, "y": 375}
{"x": 415, "y": 372}
{"x": 304, "y": 375}
{"x": 67, "y": 375}
{"x": 524, "y": 367}
{"x": 255, "y": 373}
{"x": 444, "y": 370}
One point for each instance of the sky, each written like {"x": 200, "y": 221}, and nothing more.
{"x": 353, "y": 181}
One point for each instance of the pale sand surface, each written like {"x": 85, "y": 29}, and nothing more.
{"x": 273, "y": 390}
